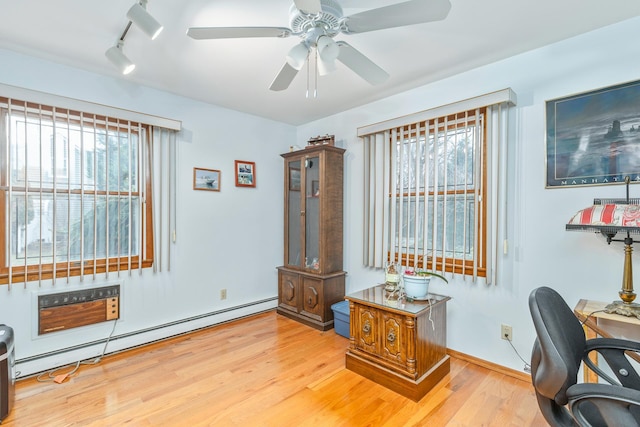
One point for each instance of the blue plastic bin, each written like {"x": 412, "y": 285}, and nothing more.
{"x": 341, "y": 318}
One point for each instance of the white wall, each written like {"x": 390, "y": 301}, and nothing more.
{"x": 231, "y": 239}
{"x": 578, "y": 265}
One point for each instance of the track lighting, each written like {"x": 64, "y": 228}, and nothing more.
{"x": 138, "y": 15}
{"x": 119, "y": 59}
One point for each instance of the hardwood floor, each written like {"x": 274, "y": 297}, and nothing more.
{"x": 265, "y": 370}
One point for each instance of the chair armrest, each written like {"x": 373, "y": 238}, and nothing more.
{"x": 617, "y": 343}
{"x": 618, "y": 406}
{"x": 613, "y": 351}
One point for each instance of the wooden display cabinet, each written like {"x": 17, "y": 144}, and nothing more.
{"x": 311, "y": 279}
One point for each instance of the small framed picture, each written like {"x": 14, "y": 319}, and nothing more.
{"x": 206, "y": 179}
{"x": 294, "y": 179}
{"x": 245, "y": 173}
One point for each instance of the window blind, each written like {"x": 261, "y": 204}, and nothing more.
{"x": 434, "y": 190}
{"x": 75, "y": 190}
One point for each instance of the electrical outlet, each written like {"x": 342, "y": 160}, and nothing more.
{"x": 223, "y": 294}
{"x": 506, "y": 333}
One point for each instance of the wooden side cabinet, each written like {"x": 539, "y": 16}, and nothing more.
{"x": 401, "y": 345}
{"x": 311, "y": 279}
{"x": 308, "y": 298}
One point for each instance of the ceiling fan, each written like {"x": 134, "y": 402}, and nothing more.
{"x": 317, "y": 22}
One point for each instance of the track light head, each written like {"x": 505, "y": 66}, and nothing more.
{"x": 138, "y": 15}
{"x": 119, "y": 59}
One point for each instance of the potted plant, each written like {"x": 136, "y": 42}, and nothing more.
{"x": 416, "y": 283}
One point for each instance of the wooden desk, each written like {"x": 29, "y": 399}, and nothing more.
{"x": 398, "y": 344}
{"x": 606, "y": 325}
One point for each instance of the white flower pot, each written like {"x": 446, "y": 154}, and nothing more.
{"x": 416, "y": 287}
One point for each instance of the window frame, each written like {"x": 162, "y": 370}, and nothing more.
{"x": 437, "y": 127}
{"x": 10, "y": 273}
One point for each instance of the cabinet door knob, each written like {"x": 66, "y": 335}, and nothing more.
{"x": 391, "y": 336}
{"x": 366, "y": 328}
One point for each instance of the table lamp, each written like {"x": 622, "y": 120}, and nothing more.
{"x": 610, "y": 217}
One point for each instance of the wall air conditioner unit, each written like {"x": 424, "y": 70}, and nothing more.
{"x": 66, "y": 310}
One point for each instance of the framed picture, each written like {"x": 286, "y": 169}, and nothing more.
{"x": 315, "y": 188}
{"x": 593, "y": 138}
{"x": 206, "y": 179}
{"x": 294, "y": 179}
{"x": 245, "y": 174}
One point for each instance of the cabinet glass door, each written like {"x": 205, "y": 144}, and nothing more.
{"x": 312, "y": 213}
{"x": 294, "y": 227}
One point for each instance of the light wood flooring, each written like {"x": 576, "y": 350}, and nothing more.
{"x": 264, "y": 370}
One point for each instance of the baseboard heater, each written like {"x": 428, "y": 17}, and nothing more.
{"x": 66, "y": 310}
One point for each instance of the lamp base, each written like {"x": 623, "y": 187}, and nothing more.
{"x": 624, "y": 309}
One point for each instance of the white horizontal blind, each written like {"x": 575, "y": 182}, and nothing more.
{"x": 428, "y": 196}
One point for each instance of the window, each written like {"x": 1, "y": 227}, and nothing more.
{"x": 439, "y": 186}
{"x": 73, "y": 195}
{"x": 433, "y": 192}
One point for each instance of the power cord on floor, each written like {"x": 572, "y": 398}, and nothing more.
{"x": 53, "y": 374}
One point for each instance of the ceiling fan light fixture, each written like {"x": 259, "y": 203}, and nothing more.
{"x": 298, "y": 55}
{"x": 119, "y": 59}
{"x": 317, "y": 22}
{"x": 138, "y": 15}
{"x": 325, "y": 67}
{"x": 328, "y": 49}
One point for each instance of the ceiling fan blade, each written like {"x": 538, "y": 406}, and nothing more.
{"x": 284, "y": 78}
{"x": 308, "y": 6}
{"x": 205, "y": 33}
{"x": 360, "y": 64}
{"x": 398, "y": 15}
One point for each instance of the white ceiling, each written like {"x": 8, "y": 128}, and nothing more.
{"x": 237, "y": 73}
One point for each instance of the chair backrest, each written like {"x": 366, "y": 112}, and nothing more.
{"x": 557, "y": 353}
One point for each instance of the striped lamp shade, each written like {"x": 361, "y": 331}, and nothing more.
{"x": 608, "y": 218}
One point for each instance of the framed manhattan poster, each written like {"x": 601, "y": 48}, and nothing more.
{"x": 593, "y": 138}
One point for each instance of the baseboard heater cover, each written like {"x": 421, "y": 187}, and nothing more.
{"x": 25, "y": 362}
{"x": 66, "y": 310}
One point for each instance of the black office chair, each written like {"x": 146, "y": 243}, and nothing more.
{"x": 557, "y": 354}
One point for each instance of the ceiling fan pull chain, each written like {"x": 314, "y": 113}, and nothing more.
{"x": 308, "y": 67}
{"x": 315, "y": 77}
